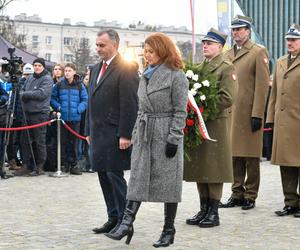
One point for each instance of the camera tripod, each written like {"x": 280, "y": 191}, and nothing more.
{"x": 11, "y": 106}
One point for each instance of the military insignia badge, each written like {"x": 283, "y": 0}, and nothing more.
{"x": 266, "y": 61}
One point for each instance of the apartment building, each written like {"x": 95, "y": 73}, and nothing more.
{"x": 58, "y": 42}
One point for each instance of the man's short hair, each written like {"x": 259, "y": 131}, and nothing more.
{"x": 70, "y": 65}
{"x": 112, "y": 34}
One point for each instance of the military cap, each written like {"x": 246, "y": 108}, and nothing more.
{"x": 241, "y": 21}
{"x": 293, "y": 32}
{"x": 215, "y": 36}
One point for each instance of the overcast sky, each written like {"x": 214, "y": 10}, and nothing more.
{"x": 153, "y": 12}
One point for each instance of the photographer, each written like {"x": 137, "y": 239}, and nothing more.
{"x": 14, "y": 145}
{"x": 35, "y": 98}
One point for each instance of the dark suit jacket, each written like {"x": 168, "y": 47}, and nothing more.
{"x": 111, "y": 114}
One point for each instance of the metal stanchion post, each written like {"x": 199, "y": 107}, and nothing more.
{"x": 58, "y": 173}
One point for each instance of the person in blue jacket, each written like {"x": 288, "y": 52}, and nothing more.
{"x": 3, "y": 111}
{"x": 69, "y": 97}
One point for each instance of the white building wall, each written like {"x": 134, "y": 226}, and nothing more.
{"x": 57, "y": 32}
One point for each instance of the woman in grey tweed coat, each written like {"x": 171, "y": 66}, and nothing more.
{"x": 157, "y": 156}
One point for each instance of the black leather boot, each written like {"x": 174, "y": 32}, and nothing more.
{"x": 126, "y": 226}
{"x": 201, "y": 214}
{"x": 167, "y": 236}
{"x": 212, "y": 217}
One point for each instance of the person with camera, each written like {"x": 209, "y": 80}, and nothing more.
{"x": 35, "y": 98}
{"x": 14, "y": 145}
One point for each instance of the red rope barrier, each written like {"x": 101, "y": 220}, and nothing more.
{"x": 27, "y": 127}
{"x": 267, "y": 129}
{"x": 72, "y": 131}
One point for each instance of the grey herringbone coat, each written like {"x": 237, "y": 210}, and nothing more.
{"x": 161, "y": 119}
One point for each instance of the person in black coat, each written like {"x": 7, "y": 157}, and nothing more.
{"x": 111, "y": 115}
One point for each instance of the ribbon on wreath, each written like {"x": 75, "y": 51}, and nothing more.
{"x": 202, "y": 128}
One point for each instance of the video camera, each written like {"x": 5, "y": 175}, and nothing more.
{"x": 12, "y": 65}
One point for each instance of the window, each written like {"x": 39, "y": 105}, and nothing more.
{"x": 68, "y": 57}
{"x": 48, "y": 39}
{"x": 84, "y": 43}
{"x": 35, "y": 42}
{"x": 68, "y": 41}
{"x": 48, "y": 56}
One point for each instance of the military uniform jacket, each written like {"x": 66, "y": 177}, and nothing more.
{"x": 212, "y": 161}
{"x": 252, "y": 67}
{"x": 284, "y": 112}
{"x": 161, "y": 119}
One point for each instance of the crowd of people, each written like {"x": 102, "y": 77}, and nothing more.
{"x": 136, "y": 121}
{"x": 36, "y": 97}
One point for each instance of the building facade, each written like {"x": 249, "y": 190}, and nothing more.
{"x": 59, "y": 42}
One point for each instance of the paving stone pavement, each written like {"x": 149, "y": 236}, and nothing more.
{"x": 59, "y": 213}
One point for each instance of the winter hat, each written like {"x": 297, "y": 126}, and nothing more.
{"x": 28, "y": 69}
{"x": 39, "y": 60}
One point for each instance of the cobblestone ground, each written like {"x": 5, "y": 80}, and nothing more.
{"x": 59, "y": 213}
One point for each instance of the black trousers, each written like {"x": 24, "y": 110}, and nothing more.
{"x": 69, "y": 144}
{"x": 38, "y": 140}
{"x": 14, "y": 142}
{"x": 114, "y": 189}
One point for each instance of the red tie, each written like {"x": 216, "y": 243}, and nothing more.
{"x": 103, "y": 69}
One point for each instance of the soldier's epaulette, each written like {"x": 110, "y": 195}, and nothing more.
{"x": 227, "y": 62}
{"x": 259, "y": 46}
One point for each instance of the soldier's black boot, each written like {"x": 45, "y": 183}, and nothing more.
{"x": 167, "y": 236}
{"x": 201, "y": 214}
{"x": 212, "y": 217}
{"x": 126, "y": 226}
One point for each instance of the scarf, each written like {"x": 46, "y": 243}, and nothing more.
{"x": 150, "y": 70}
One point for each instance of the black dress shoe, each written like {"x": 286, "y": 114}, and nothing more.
{"x": 232, "y": 202}
{"x": 106, "y": 228}
{"x": 287, "y": 210}
{"x": 297, "y": 214}
{"x": 248, "y": 204}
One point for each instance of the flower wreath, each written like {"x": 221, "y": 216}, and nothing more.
{"x": 203, "y": 90}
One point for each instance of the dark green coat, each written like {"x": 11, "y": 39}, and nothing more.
{"x": 212, "y": 161}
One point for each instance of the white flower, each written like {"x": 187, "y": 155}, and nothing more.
{"x": 197, "y": 85}
{"x": 193, "y": 92}
{"x": 202, "y": 97}
{"x": 195, "y": 77}
{"x": 189, "y": 74}
{"x": 205, "y": 83}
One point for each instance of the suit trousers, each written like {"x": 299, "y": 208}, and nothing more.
{"x": 290, "y": 179}
{"x": 114, "y": 189}
{"x": 210, "y": 190}
{"x": 242, "y": 187}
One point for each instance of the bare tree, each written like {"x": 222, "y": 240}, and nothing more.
{"x": 186, "y": 51}
{"x": 8, "y": 28}
{"x": 81, "y": 54}
{"x": 4, "y": 3}
{"x": 8, "y": 31}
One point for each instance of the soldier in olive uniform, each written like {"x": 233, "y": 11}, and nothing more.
{"x": 212, "y": 161}
{"x": 284, "y": 114}
{"x": 252, "y": 66}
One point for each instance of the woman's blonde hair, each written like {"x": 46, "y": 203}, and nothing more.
{"x": 166, "y": 49}
{"x": 62, "y": 69}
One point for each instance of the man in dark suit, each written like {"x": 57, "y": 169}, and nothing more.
{"x": 111, "y": 116}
